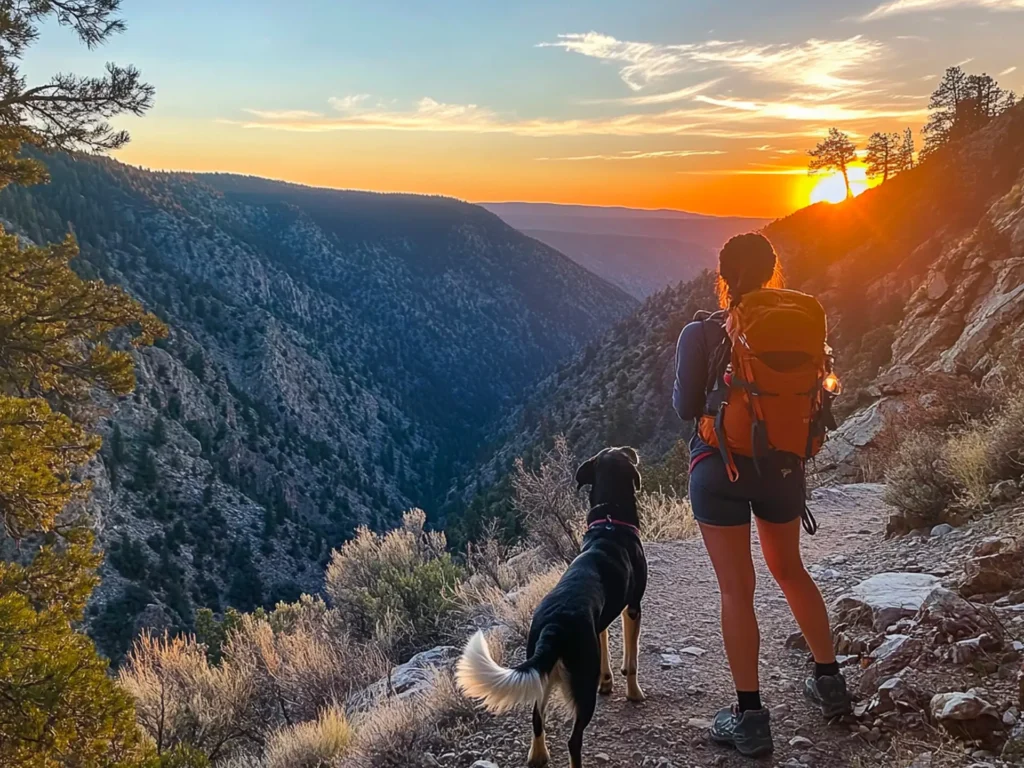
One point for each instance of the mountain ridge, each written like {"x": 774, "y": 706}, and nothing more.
{"x": 332, "y": 358}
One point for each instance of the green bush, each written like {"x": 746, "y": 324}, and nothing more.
{"x": 397, "y": 589}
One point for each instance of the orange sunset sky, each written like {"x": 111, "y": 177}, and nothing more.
{"x": 702, "y": 106}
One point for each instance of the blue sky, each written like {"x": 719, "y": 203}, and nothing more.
{"x": 703, "y": 105}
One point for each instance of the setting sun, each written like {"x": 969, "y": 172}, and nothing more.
{"x": 832, "y": 188}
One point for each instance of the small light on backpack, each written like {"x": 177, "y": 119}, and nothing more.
{"x": 832, "y": 384}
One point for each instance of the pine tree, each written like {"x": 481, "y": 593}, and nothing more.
{"x": 58, "y": 705}
{"x": 883, "y": 155}
{"x": 834, "y": 153}
{"x": 960, "y": 105}
{"x": 905, "y": 161}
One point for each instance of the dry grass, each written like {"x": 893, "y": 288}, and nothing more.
{"x": 968, "y": 463}
{"x": 664, "y": 517}
{"x": 387, "y": 735}
{"x": 319, "y": 743}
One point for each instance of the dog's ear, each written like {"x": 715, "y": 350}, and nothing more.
{"x": 637, "y": 482}
{"x": 632, "y": 455}
{"x": 585, "y": 474}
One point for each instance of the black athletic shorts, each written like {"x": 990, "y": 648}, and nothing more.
{"x": 776, "y": 495}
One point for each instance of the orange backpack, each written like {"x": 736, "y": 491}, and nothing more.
{"x": 775, "y": 394}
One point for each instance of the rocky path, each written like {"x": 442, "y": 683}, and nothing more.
{"x": 684, "y": 673}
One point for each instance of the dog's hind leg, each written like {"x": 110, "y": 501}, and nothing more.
{"x": 585, "y": 700}
{"x": 539, "y": 757}
{"x": 631, "y": 652}
{"x": 607, "y": 680}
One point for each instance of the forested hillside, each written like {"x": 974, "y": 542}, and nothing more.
{"x": 332, "y": 358}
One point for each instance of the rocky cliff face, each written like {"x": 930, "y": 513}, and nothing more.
{"x": 960, "y": 293}
{"x": 333, "y": 358}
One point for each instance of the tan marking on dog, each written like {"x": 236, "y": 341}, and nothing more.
{"x": 630, "y": 655}
{"x": 607, "y": 680}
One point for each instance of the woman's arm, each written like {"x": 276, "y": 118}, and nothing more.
{"x": 691, "y": 372}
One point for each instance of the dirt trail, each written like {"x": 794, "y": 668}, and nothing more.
{"x": 681, "y": 611}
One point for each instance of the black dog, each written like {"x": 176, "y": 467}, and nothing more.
{"x": 568, "y": 642}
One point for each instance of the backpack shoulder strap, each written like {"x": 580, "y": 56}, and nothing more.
{"x": 719, "y": 349}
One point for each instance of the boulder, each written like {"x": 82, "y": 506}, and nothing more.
{"x": 941, "y": 530}
{"x": 885, "y": 598}
{"x": 966, "y": 651}
{"x": 896, "y": 694}
{"x": 414, "y": 677}
{"x": 965, "y": 715}
{"x": 990, "y": 545}
{"x": 951, "y": 615}
{"x": 1013, "y": 749}
{"x": 896, "y": 653}
{"x": 1004, "y": 491}
{"x": 998, "y": 572}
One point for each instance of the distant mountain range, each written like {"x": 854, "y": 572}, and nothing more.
{"x": 639, "y": 250}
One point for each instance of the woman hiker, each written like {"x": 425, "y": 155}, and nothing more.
{"x": 727, "y": 485}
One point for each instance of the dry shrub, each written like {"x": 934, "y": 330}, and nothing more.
{"x": 183, "y": 702}
{"x": 319, "y": 743}
{"x": 1006, "y": 438}
{"x": 918, "y": 482}
{"x": 302, "y": 668}
{"x": 546, "y": 501}
{"x": 279, "y": 669}
{"x": 398, "y": 589}
{"x": 952, "y": 405}
{"x": 399, "y": 727}
{"x": 664, "y": 517}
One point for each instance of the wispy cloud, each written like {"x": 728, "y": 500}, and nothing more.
{"x": 812, "y": 113}
{"x": 776, "y": 150}
{"x": 350, "y": 102}
{"x": 748, "y": 172}
{"x": 725, "y": 118}
{"x": 815, "y": 63}
{"x": 640, "y": 155}
{"x": 1008, "y": 71}
{"x": 659, "y": 98}
{"x": 895, "y": 7}
{"x": 284, "y": 114}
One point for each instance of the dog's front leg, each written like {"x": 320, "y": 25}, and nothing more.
{"x": 607, "y": 680}
{"x": 631, "y": 652}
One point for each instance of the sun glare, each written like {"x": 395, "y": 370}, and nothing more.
{"x": 832, "y": 188}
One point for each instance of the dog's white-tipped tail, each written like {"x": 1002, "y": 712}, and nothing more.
{"x": 481, "y": 677}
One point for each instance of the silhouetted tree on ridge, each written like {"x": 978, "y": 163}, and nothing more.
{"x": 834, "y": 153}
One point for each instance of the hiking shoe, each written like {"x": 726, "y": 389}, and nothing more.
{"x": 750, "y": 732}
{"x": 829, "y": 692}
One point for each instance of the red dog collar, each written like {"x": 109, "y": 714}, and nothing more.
{"x": 612, "y": 521}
